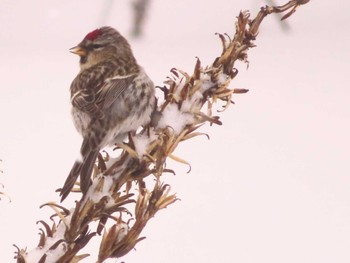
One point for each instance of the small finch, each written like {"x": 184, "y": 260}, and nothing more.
{"x": 111, "y": 96}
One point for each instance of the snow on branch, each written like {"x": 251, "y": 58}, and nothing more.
{"x": 121, "y": 212}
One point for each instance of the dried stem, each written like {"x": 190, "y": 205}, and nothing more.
{"x": 2, "y": 187}
{"x": 111, "y": 196}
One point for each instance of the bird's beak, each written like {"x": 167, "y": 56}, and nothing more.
{"x": 79, "y": 51}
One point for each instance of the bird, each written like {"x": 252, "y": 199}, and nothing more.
{"x": 111, "y": 96}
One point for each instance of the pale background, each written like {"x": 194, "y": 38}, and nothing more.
{"x": 271, "y": 185}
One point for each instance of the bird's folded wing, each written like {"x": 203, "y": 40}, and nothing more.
{"x": 112, "y": 89}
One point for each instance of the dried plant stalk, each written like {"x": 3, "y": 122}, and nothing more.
{"x": 177, "y": 119}
{"x": 2, "y": 194}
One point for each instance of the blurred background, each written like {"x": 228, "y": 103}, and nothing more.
{"x": 271, "y": 184}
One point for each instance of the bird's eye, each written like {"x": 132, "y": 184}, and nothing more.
{"x": 96, "y": 46}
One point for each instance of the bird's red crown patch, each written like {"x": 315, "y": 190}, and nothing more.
{"x": 93, "y": 35}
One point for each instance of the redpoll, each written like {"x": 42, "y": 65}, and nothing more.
{"x": 111, "y": 96}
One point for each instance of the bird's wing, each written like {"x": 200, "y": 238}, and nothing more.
{"x": 93, "y": 90}
{"x": 85, "y": 86}
{"x": 84, "y": 100}
{"x": 112, "y": 89}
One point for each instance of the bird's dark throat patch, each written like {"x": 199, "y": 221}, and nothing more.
{"x": 83, "y": 59}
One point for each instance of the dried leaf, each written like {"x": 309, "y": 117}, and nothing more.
{"x": 178, "y": 159}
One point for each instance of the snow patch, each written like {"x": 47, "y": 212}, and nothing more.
{"x": 174, "y": 118}
{"x": 222, "y": 78}
{"x": 206, "y": 82}
{"x": 124, "y": 229}
{"x": 192, "y": 104}
{"x": 141, "y": 143}
{"x": 97, "y": 196}
{"x": 51, "y": 255}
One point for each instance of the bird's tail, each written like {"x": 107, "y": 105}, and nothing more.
{"x": 84, "y": 168}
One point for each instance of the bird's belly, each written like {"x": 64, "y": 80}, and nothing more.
{"x": 81, "y": 121}
{"x": 131, "y": 122}
{"x": 120, "y": 131}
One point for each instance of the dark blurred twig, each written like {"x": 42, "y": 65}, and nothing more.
{"x": 283, "y": 23}
{"x": 105, "y": 13}
{"x": 2, "y": 186}
{"x": 140, "y": 10}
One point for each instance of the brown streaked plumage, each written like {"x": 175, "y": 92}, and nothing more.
{"x": 111, "y": 96}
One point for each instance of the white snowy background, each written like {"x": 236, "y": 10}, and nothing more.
{"x": 271, "y": 185}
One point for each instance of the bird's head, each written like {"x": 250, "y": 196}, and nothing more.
{"x": 102, "y": 44}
